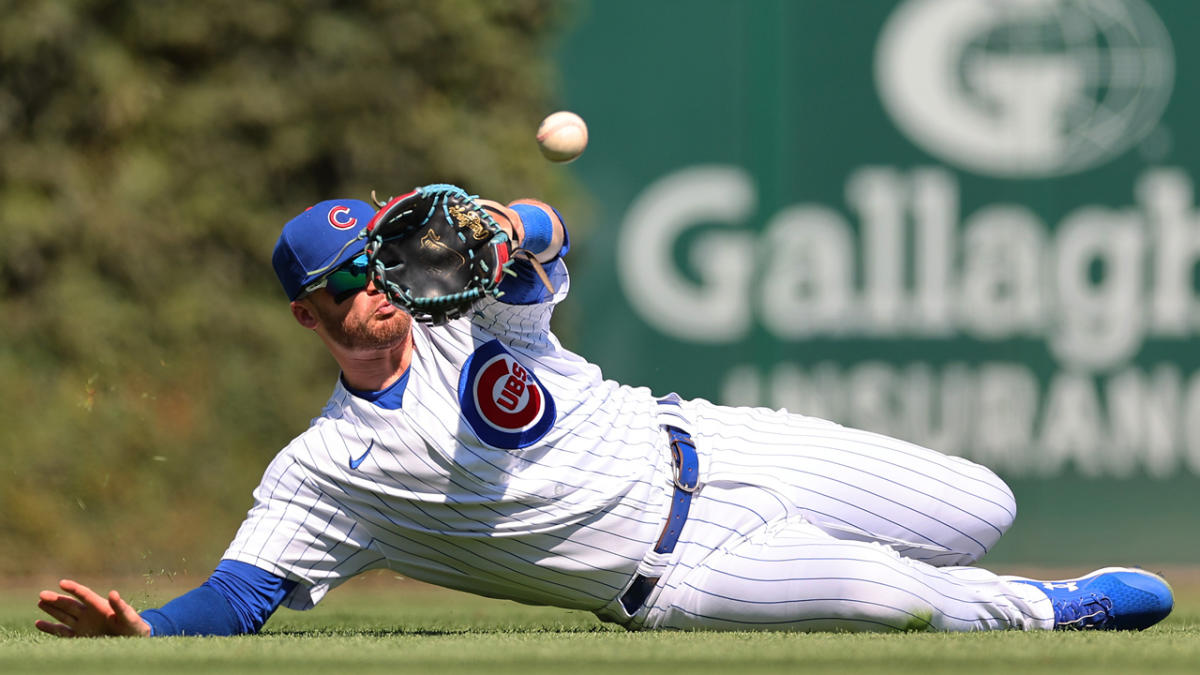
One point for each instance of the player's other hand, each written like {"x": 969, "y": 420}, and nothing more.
{"x": 84, "y": 613}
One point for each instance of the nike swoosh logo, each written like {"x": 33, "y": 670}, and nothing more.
{"x": 355, "y": 462}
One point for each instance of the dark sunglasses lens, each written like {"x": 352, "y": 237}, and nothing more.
{"x": 348, "y": 280}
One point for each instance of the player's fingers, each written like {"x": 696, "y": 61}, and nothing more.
{"x": 56, "y": 629}
{"x": 125, "y": 618}
{"x": 85, "y": 594}
{"x": 51, "y": 596}
{"x": 54, "y": 610}
{"x": 63, "y": 603}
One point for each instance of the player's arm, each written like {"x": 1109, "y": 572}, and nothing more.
{"x": 539, "y": 229}
{"x": 532, "y": 225}
{"x": 237, "y": 598}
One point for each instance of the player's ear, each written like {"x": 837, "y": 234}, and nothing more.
{"x": 304, "y": 314}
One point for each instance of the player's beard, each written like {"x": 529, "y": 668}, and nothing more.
{"x": 370, "y": 333}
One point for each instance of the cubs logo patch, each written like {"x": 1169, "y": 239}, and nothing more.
{"x": 339, "y": 217}
{"x": 505, "y": 405}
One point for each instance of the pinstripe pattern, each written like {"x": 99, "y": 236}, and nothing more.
{"x": 807, "y": 525}
{"x": 792, "y": 575}
{"x": 563, "y": 522}
{"x": 799, "y": 524}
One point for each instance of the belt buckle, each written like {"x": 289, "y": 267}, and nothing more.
{"x": 681, "y": 438}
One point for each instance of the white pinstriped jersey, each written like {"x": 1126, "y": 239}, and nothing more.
{"x": 513, "y": 469}
{"x": 563, "y": 521}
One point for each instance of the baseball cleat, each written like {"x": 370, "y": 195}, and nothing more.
{"x": 1112, "y": 598}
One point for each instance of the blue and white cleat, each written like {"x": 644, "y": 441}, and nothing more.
{"x": 1113, "y": 598}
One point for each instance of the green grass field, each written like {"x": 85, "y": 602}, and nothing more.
{"x": 382, "y": 625}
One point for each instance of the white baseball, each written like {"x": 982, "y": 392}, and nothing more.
{"x": 562, "y": 136}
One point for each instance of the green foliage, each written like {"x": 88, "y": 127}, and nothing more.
{"x": 149, "y": 154}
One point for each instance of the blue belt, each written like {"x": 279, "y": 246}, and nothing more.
{"x": 687, "y": 478}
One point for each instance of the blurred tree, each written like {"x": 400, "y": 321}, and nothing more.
{"x": 149, "y": 154}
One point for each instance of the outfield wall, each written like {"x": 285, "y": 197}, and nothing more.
{"x": 970, "y": 224}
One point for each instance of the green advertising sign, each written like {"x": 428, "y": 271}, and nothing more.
{"x": 966, "y": 223}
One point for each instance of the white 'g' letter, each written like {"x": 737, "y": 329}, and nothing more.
{"x": 717, "y": 309}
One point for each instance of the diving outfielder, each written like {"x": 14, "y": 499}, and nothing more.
{"x": 481, "y": 455}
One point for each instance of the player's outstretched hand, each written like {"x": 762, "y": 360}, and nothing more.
{"x": 85, "y": 613}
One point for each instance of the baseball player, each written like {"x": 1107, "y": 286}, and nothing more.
{"x": 481, "y": 455}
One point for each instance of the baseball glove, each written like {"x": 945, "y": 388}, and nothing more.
{"x": 435, "y": 252}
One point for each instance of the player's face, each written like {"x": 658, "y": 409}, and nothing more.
{"x": 364, "y": 320}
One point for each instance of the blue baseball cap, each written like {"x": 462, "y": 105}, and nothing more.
{"x": 315, "y": 242}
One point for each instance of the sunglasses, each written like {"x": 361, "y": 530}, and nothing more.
{"x": 343, "y": 282}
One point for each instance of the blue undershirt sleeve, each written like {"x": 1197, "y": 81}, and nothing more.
{"x": 526, "y": 288}
{"x": 238, "y": 598}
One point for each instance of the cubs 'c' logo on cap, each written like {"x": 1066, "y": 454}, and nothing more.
{"x": 339, "y": 217}
{"x": 505, "y": 405}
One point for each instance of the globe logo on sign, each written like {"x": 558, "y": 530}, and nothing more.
{"x": 1025, "y": 88}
